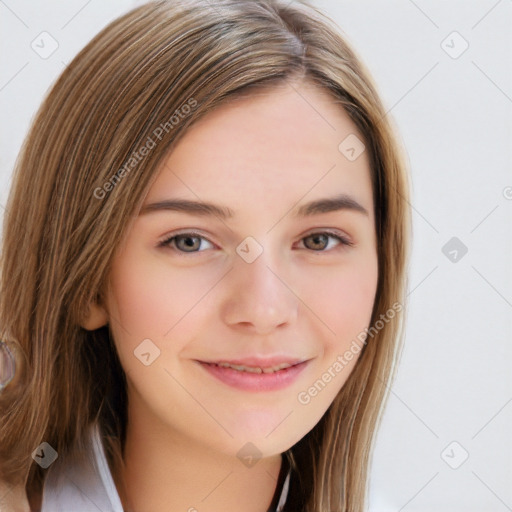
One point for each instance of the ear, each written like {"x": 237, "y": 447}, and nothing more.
{"x": 95, "y": 318}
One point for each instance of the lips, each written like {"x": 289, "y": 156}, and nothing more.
{"x": 258, "y": 364}
{"x": 255, "y": 373}
{"x": 254, "y": 369}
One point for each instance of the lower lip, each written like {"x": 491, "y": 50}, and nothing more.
{"x": 248, "y": 381}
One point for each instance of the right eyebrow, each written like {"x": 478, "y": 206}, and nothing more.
{"x": 187, "y": 206}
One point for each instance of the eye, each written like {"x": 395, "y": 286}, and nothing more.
{"x": 320, "y": 240}
{"x": 184, "y": 242}
{"x": 191, "y": 242}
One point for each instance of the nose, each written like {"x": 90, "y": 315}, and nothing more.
{"x": 258, "y": 297}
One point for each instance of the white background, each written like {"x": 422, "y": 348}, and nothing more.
{"x": 455, "y": 119}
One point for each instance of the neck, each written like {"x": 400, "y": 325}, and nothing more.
{"x": 166, "y": 471}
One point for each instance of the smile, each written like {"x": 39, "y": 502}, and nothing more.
{"x": 255, "y": 378}
{"x": 254, "y": 369}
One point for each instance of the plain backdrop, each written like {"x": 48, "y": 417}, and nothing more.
{"x": 443, "y": 69}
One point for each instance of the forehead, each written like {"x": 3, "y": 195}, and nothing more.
{"x": 267, "y": 150}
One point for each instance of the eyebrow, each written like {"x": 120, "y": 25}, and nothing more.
{"x": 318, "y": 206}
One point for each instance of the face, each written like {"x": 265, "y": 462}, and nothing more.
{"x": 263, "y": 282}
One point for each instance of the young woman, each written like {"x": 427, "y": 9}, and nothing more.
{"x": 203, "y": 268}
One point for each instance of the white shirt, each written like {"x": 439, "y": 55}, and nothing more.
{"x": 71, "y": 486}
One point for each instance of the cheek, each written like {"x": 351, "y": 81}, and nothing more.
{"x": 150, "y": 298}
{"x": 343, "y": 301}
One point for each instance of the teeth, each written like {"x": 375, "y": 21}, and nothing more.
{"x": 254, "y": 369}
{"x": 276, "y": 368}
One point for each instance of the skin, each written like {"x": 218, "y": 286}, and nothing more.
{"x": 13, "y": 498}
{"x": 261, "y": 156}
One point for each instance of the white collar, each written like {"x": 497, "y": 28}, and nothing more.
{"x": 89, "y": 486}
{"x": 82, "y": 487}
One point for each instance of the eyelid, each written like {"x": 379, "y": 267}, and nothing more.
{"x": 343, "y": 239}
{"x": 165, "y": 240}
{"x": 329, "y": 231}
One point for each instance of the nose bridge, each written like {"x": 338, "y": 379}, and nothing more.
{"x": 257, "y": 295}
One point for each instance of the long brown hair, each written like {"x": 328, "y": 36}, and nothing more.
{"x": 148, "y": 76}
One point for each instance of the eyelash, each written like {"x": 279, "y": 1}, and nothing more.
{"x": 167, "y": 241}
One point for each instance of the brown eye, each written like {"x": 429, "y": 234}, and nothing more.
{"x": 185, "y": 242}
{"x": 188, "y": 243}
{"x": 320, "y": 241}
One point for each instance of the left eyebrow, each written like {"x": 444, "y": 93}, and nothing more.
{"x": 331, "y": 204}
{"x": 316, "y": 207}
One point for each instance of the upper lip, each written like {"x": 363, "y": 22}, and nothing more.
{"x": 260, "y": 362}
